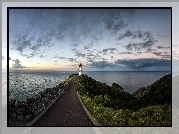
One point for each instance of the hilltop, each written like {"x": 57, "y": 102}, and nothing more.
{"x": 160, "y": 92}
{"x": 146, "y": 103}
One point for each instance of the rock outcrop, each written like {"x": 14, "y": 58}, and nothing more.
{"x": 117, "y": 87}
{"x": 160, "y": 92}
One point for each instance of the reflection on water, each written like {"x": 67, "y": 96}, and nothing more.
{"x": 24, "y": 85}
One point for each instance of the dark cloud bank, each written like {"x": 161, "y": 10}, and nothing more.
{"x": 132, "y": 63}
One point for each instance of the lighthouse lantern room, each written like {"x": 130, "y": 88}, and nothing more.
{"x": 80, "y": 69}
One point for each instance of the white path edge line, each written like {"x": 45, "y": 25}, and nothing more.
{"x": 95, "y": 122}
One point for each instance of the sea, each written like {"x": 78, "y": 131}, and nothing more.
{"x": 130, "y": 81}
{"x": 24, "y": 84}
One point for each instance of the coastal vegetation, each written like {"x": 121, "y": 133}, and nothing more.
{"x": 113, "y": 106}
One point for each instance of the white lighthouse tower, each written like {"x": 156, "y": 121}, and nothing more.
{"x": 80, "y": 69}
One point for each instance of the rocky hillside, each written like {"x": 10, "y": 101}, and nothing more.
{"x": 160, "y": 92}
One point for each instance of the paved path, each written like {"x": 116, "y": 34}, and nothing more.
{"x": 66, "y": 111}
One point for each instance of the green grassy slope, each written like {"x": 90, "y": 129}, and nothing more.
{"x": 113, "y": 106}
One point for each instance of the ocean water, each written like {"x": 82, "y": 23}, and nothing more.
{"x": 23, "y": 84}
{"x": 130, "y": 81}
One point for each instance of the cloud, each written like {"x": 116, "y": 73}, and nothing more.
{"x": 72, "y": 59}
{"x": 100, "y": 64}
{"x": 62, "y": 58}
{"x": 128, "y": 33}
{"x": 17, "y": 64}
{"x": 79, "y": 54}
{"x": 60, "y": 36}
{"x": 68, "y": 59}
{"x": 21, "y": 42}
{"x": 139, "y": 52}
{"x": 90, "y": 45}
{"x": 157, "y": 53}
{"x": 41, "y": 56}
{"x": 108, "y": 49}
{"x": 75, "y": 36}
{"x": 74, "y": 50}
{"x": 96, "y": 37}
{"x": 16, "y": 61}
{"x": 125, "y": 53}
{"x": 144, "y": 35}
{"x": 150, "y": 50}
{"x": 140, "y": 45}
{"x": 164, "y": 55}
{"x": 147, "y": 40}
{"x": 93, "y": 57}
{"x": 140, "y": 34}
{"x": 161, "y": 47}
{"x": 90, "y": 55}
{"x": 114, "y": 26}
{"x": 118, "y": 26}
{"x": 113, "y": 20}
{"x": 30, "y": 56}
{"x": 44, "y": 40}
{"x": 144, "y": 62}
{"x": 74, "y": 45}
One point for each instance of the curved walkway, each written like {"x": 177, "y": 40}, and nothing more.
{"x": 66, "y": 111}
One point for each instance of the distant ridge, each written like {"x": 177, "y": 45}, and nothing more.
{"x": 160, "y": 92}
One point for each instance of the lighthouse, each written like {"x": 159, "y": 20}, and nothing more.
{"x": 80, "y": 69}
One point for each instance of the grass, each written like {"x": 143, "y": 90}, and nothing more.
{"x": 157, "y": 115}
{"x": 114, "y": 108}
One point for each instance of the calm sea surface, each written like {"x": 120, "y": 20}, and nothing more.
{"x": 130, "y": 81}
{"x": 23, "y": 84}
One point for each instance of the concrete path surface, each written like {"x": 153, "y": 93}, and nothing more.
{"x": 66, "y": 111}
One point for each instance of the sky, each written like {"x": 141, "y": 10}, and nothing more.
{"x": 100, "y": 39}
